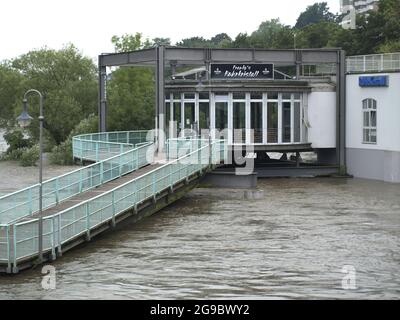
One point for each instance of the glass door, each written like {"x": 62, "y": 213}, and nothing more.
{"x": 239, "y": 122}
{"x": 189, "y": 111}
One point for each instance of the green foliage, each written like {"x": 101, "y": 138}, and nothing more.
{"x": 131, "y": 92}
{"x": 316, "y": 35}
{"x": 13, "y": 155}
{"x": 69, "y": 83}
{"x": 377, "y": 33}
{"x": 62, "y": 153}
{"x": 11, "y": 82}
{"x": 242, "y": 40}
{"x": 316, "y": 13}
{"x": 272, "y": 34}
{"x": 29, "y": 156}
{"x": 16, "y": 140}
{"x": 130, "y": 42}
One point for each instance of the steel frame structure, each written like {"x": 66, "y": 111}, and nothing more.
{"x": 160, "y": 57}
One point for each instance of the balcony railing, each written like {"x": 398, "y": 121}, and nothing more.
{"x": 374, "y": 63}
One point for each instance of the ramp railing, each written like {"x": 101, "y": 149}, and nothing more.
{"x": 19, "y": 240}
{"x": 113, "y": 160}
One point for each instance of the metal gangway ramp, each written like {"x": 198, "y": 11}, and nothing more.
{"x": 126, "y": 179}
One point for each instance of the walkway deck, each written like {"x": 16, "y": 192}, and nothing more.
{"x": 62, "y": 206}
{"x": 126, "y": 180}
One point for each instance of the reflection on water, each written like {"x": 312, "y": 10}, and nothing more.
{"x": 290, "y": 239}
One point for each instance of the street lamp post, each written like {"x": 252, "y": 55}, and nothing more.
{"x": 24, "y": 120}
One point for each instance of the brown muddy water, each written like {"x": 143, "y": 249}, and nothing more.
{"x": 289, "y": 239}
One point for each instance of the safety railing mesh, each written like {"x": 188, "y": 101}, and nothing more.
{"x": 113, "y": 159}
{"x": 84, "y": 217}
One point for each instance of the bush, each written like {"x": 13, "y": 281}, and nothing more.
{"x": 16, "y": 140}
{"x": 13, "y": 155}
{"x": 30, "y": 156}
{"x": 62, "y": 154}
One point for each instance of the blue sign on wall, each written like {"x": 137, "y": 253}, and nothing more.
{"x": 374, "y": 81}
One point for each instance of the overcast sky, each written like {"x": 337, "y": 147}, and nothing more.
{"x": 90, "y": 24}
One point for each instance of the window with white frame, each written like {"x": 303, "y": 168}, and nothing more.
{"x": 369, "y": 121}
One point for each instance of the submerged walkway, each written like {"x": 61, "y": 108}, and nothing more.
{"x": 95, "y": 192}
{"x": 126, "y": 179}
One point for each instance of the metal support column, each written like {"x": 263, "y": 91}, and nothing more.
{"x": 299, "y": 60}
{"x": 341, "y": 112}
{"x": 102, "y": 96}
{"x": 160, "y": 98}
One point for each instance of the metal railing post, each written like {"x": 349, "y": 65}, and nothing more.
{"x": 59, "y": 235}
{"x": 80, "y": 180}
{"x": 15, "y": 268}
{"x": 101, "y": 173}
{"x": 30, "y": 201}
{"x": 137, "y": 159}
{"x": 113, "y": 208}
{"x": 120, "y": 159}
{"x": 53, "y": 239}
{"x": 87, "y": 221}
{"x": 57, "y": 194}
{"x": 9, "y": 270}
{"x": 97, "y": 152}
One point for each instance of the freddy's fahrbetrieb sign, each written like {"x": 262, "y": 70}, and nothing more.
{"x": 242, "y": 71}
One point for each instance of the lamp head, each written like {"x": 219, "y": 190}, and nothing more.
{"x": 24, "y": 120}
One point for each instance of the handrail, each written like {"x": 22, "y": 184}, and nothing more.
{"x": 23, "y": 203}
{"x": 374, "y": 62}
{"x": 89, "y": 214}
{"x": 83, "y": 217}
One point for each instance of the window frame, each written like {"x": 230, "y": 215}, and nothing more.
{"x": 369, "y": 106}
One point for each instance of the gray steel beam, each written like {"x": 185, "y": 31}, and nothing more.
{"x": 160, "y": 96}
{"x": 341, "y": 111}
{"x": 146, "y": 57}
{"x": 201, "y": 55}
{"x": 102, "y": 109}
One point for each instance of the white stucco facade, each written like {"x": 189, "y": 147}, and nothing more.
{"x": 380, "y": 160}
{"x": 322, "y": 119}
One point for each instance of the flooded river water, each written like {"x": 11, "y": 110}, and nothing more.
{"x": 289, "y": 239}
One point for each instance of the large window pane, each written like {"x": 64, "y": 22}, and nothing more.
{"x": 239, "y": 122}
{"x": 286, "y": 116}
{"x": 177, "y": 115}
{"x": 221, "y": 115}
{"x": 272, "y": 122}
{"x": 189, "y": 115}
{"x": 204, "y": 115}
{"x": 167, "y": 118}
{"x": 373, "y": 118}
{"x": 297, "y": 121}
{"x": 372, "y": 135}
{"x": 256, "y": 122}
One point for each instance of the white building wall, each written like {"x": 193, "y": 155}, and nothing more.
{"x": 322, "y": 119}
{"x": 380, "y": 161}
{"x": 388, "y": 113}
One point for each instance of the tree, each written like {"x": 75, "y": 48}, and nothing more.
{"x": 221, "y": 40}
{"x": 318, "y": 12}
{"x": 242, "y": 40}
{"x": 194, "y": 42}
{"x": 316, "y": 35}
{"x": 68, "y": 81}
{"x": 131, "y": 93}
{"x": 10, "y": 92}
{"x": 162, "y": 42}
{"x": 272, "y": 34}
{"x": 130, "y": 42}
